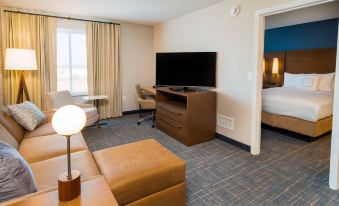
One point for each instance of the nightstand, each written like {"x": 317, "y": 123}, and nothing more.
{"x": 267, "y": 86}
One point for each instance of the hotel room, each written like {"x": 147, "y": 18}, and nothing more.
{"x": 299, "y": 71}
{"x": 158, "y": 102}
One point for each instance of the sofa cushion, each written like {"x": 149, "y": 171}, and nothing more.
{"x": 81, "y": 161}
{"x": 27, "y": 114}
{"x": 16, "y": 177}
{"x": 12, "y": 126}
{"x": 139, "y": 169}
{"x": 45, "y": 147}
{"x": 42, "y": 130}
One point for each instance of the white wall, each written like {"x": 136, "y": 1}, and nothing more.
{"x": 308, "y": 14}
{"x": 137, "y": 60}
{"x": 212, "y": 29}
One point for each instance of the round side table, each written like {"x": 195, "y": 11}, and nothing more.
{"x": 96, "y": 99}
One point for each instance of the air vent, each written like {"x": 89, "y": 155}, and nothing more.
{"x": 225, "y": 122}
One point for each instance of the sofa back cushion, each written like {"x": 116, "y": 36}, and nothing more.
{"x": 16, "y": 178}
{"x": 12, "y": 126}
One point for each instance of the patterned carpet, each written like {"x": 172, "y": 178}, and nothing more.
{"x": 288, "y": 171}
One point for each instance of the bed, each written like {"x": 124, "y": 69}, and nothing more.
{"x": 301, "y": 111}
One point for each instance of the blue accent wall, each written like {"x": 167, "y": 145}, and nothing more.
{"x": 320, "y": 34}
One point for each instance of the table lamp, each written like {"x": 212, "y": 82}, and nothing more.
{"x": 21, "y": 59}
{"x": 67, "y": 121}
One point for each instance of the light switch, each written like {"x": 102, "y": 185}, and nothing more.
{"x": 249, "y": 76}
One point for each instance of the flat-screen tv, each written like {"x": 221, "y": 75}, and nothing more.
{"x": 186, "y": 69}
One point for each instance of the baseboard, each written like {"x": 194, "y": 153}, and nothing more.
{"x": 135, "y": 111}
{"x": 130, "y": 112}
{"x": 233, "y": 142}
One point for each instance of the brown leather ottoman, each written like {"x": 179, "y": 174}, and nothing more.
{"x": 143, "y": 173}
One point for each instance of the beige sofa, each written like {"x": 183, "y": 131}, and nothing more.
{"x": 141, "y": 173}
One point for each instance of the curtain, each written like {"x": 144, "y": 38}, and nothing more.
{"x": 2, "y": 63}
{"x": 30, "y": 32}
{"x": 104, "y": 75}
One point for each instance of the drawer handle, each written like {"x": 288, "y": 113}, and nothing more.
{"x": 170, "y": 110}
{"x": 172, "y": 124}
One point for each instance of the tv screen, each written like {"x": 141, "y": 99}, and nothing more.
{"x": 186, "y": 69}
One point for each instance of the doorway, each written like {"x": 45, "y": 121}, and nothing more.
{"x": 258, "y": 83}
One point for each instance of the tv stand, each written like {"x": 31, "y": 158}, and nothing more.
{"x": 182, "y": 89}
{"x": 189, "y": 117}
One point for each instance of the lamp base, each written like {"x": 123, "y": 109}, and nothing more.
{"x": 69, "y": 188}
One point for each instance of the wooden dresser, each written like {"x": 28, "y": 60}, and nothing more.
{"x": 189, "y": 117}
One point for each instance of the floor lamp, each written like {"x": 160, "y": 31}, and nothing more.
{"x": 21, "y": 60}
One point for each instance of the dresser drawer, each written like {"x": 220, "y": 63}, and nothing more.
{"x": 170, "y": 127}
{"x": 174, "y": 113}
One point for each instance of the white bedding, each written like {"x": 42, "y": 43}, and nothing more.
{"x": 307, "y": 105}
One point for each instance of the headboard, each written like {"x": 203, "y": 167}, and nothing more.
{"x": 309, "y": 61}
{"x": 305, "y": 61}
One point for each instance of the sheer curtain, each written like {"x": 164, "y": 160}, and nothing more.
{"x": 104, "y": 75}
{"x": 30, "y": 32}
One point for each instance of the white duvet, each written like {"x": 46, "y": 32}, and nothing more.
{"x": 303, "y": 104}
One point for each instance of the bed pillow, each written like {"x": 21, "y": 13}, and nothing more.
{"x": 308, "y": 82}
{"x": 27, "y": 114}
{"x": 291, "y": 80}
{"x": 326, "y": 82}
{"x": 16, "y": 178}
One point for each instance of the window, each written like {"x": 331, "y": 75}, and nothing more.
{"x": 71, "y": 61}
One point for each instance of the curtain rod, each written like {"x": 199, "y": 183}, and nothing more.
{"x": 60, "y": 17}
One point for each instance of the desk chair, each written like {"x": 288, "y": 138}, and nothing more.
{"x": 145, "y": 103}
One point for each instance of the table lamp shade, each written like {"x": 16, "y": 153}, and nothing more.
{"x": 275, "y": 66}
{"x": 20, "y": 59}
{"x": 69, "y": 120}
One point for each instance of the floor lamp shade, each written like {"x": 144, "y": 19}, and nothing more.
{"x": 20, "y": 59}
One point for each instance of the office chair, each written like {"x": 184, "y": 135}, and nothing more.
{"x": 145, "y": 103}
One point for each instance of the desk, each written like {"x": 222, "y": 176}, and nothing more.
{"x": 150, "y": 90}
{"x": 96, "y": 100}
{"x": 94, "y": 191}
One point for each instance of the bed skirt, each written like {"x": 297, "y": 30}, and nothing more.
{"x": 311, "y": 129}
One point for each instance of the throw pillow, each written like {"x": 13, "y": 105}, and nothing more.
{"x": 326, "y": 82}
{"x": 16, "y": 178}
{"x": 291, "y": 80}
{"x": 27, "y": 114}
{"x": 308, "y": 82}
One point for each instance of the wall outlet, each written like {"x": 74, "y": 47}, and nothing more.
{"x": 225, "y": 122}
{"x": 124, "y": 98}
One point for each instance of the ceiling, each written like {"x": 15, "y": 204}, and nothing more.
{"x": 137, "y": 11}
{"x": 304, "y": 15}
